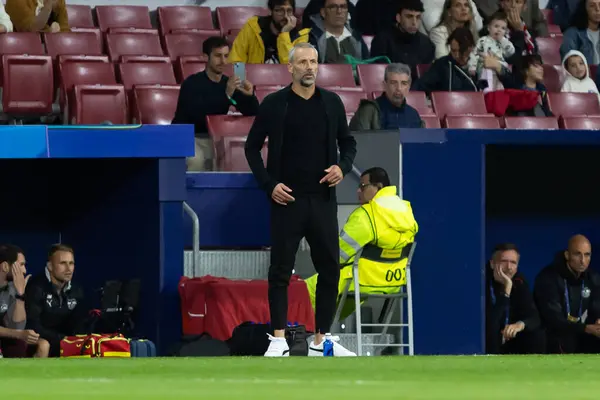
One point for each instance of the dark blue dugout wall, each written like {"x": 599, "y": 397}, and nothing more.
{"x": 539, "y": 196}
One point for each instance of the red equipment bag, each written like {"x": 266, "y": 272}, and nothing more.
{"x": 95, "y": 345}
{"x": 217, "y": 305}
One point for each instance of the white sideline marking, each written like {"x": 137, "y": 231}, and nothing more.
{"x": 88, "y": 380}
{"x": 256, "y": 381}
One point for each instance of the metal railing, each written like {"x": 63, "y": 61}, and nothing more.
{"x": 196, "y": 235}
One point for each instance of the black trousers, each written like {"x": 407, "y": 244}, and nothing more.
{"x": 526, "y": 342}
{"x": 315, "y": 218}
{"x": 576, "y": 343}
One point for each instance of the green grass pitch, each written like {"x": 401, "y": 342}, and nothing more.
{"x": 365, "y": 378}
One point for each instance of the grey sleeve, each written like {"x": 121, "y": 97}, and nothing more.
{"x": 8, "y": 320}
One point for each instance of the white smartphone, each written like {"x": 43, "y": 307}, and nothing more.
{"x": 239, "y": 70}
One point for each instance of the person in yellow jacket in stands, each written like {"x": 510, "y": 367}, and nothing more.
{"x": 382, "y": 227}
{"x": 268, "y": 40}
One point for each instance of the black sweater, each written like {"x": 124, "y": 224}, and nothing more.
{"x": 521, "y": 307}
{"x": 270, "y": 122}
{"x": 199, "y": 96}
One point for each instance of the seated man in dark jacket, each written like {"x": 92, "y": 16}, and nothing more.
{"x": 388, "y": 111}
{"x": 567, "y": 293}
{"x": 54, "y": 303}
{"x": 512, "y": 320}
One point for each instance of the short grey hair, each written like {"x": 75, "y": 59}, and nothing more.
{"x": 302, "y": 45}
{"x": 397, "y": 68}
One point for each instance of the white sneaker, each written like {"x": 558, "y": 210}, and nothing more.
{"x": 278, "y": 347}
{"x": 338, "y": 350}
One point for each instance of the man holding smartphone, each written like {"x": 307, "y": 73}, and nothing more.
{"x": 210, "y": 92}
{"x": 305, "y": 126}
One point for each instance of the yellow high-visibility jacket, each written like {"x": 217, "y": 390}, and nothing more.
{"x": 381, "y": 228}
{"x": 249, "y": 47}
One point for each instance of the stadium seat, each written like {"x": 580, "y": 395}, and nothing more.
{"x": 95, "y": 31}
{"x": 268, "y": 75}
{"x": 29, "y": 43}
{"x": 183, "y": 18}
{"x": 583, "y": 123}
{"x": 235, "y": 17}
{"x": 368, "y": 40}
{"x": 548, "y": 13}
{"x": 471, "y": 122}
{"x": 154, "y": 104}
{"x": 90, "y": 72}
{"x": 340, "y": 75}
{"x": 371, "y": 76}
{"x": 187, "y": 44}
{"x": 134, "y": 30}
{"x": 132, "y": 44}
{"x": 190, "y": 65}
{"x": 228, "y": 125}
{"x": 80, "y": 16}
{"x": 530, "y": 123}
{"x": 145, "y": 59}
{"x": 422, "y": 69}
{"x": 72, "y": 43}
{"x": 66, "y": 58}
{"x": 573, "y": 104}
{"x": 97, "y": 104}
{"x": 263, "y": 92}
{"x": 28, "y": 85}
{"x": 553, "y": 77}
{"x": 418, "y": 101}
{"x": 548, "y": 49}
{"x": 132, "y": 74}
{"x": 123, "y": 16}
{"x": 431, "y": 121}
{"x": 231, "y": 156}
{"x": 458, "y": 103}
{"x": 351, "y": 99}
{"x": 593, "y": 71}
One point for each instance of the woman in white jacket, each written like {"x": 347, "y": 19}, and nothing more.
{"x": 456, "y": 13}
{"x": 577, "y": 74}
{"x": 433, "y": 12}
{"x": 5, "y": 22}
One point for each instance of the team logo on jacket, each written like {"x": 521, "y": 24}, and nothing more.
{"x": 71, "y": 303}
{"x": 49, "y": 300}
{"x": 3, "y": 308}
{"x": 585, "y": 292}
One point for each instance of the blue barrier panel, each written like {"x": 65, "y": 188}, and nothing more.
{"x": 112, "y": 192}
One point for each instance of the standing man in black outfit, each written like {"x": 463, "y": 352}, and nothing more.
{"x": 567, "y": 293}
{"x": 305, "y": 125}
{"x": 512, "y": 320}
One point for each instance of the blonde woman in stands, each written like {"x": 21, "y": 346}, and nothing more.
{"x": 433, "y": 13}
{"x": 6, "y": 24}
{"x": 455, "y": 14}
{"x": 38, "y": 15}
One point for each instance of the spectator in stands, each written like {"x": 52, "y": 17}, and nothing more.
{"x": 577, "y": 74}
{"x": 6, "y": 24}
{"x": 435, "y": 8}
{"x": 373, "y": 16}
{"x": 567, "y": 293}
{"x": 12, "y": 300}
{"x": 313, "y": 9}
{"x": 493, "y": 44}
{"x": 211, "y": 93}
{"x": 522, "y": 31}
{"x": 456, "y": 14}
{"x": 38, "y": 15}
{"x": 300, "y": 177}
{"x": 563, "y": 12}
{"x": 332, "y": 36}
{"x": 449, "y": 73}
{"x": 584, "y": 33}
{"x": 512, "y": 320}
{"x": 403, "y": 43}
{"x": 529, "y": 75}
{"x": 55, "y": 305}
{"x": 384, "y": 223}
{"x": 390, "y": 110}
{"x": 268, "y": 40}
{"x": 523, "y": 15}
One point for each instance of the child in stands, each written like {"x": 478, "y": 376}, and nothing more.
{"x": 494, "y": 43}
{"x": 577, "y": 74}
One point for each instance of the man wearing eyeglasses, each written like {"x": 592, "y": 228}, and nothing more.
{"x": 268, "y": 40}
{"x": 382, "y": 227}
{"x": 333, "y": 37}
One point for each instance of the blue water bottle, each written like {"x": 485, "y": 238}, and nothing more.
{"x": 328, "y": 346}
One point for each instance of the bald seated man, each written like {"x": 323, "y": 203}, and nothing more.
{"x": 567, "y": 294}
